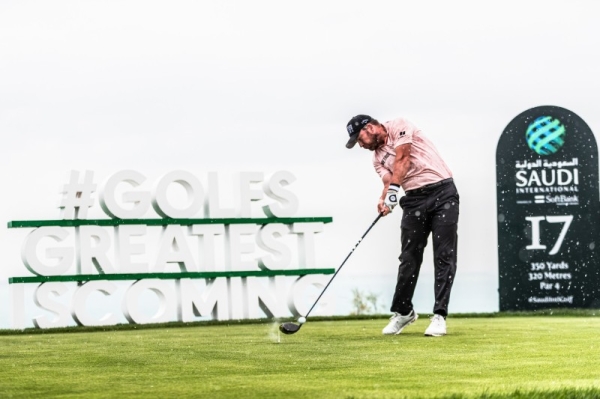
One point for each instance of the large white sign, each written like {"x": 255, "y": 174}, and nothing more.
{"x": 197, "y": 257}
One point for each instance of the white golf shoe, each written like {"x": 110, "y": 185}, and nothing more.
{"x": 437, "y": 328}
{"x": 398, "y": 322}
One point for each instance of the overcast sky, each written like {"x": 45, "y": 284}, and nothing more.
{"x": 234, "y": 86}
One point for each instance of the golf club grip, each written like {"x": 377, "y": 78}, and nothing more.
{"x": 342, "y": 265}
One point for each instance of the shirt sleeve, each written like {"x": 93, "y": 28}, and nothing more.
{"x": 401, "y": 133}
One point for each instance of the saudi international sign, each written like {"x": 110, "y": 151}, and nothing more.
{"x": 547, "y": 202}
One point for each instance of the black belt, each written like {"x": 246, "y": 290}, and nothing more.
{"x": 429, "y": 186}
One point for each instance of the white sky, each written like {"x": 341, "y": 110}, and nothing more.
{"x": 234, "y": 86}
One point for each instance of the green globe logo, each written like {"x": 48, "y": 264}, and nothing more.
{"x": 545, "y": 135}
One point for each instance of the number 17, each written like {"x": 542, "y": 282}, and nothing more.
{"x": 535, "y": 231}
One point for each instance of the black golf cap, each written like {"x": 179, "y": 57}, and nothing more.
{"x": 354, "y": 127}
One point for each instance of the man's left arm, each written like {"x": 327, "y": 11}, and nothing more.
{"x": 400, "y": 169}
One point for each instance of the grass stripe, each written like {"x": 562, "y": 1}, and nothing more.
{"x": 555, "y": 313}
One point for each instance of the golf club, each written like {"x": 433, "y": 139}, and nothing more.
{"x": 292, "y": 328}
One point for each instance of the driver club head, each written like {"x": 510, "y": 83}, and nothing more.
{"x": 289, "y": 328}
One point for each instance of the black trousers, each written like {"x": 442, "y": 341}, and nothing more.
{"x": 427, "y": 210}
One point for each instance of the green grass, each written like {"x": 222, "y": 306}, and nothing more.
{"x": 495, "y": 357}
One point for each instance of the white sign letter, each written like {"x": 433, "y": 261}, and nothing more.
{"x": 64, "y": 256}
{"x": 139, "y": 199}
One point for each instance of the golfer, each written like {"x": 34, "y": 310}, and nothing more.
{"x": 404, "y": 157}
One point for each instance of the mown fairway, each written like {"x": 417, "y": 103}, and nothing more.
{"x": 536, "y": 356}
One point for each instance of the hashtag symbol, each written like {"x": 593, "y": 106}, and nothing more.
{"x": 77, "y": 197}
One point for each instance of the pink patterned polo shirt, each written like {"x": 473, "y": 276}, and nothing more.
{"x": 426, "y": 164}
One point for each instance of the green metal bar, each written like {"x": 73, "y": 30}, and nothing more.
{"x": 162, "y": 222}
{"x": 168, "y": 276}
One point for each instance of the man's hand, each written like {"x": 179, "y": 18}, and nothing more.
{"x": 382, "y": 208}
{"x": 391, "y": 197}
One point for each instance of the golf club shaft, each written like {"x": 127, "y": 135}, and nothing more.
{"x": 340, "y": 268}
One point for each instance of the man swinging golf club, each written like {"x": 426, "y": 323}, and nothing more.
{"x": 404, "y": 157}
